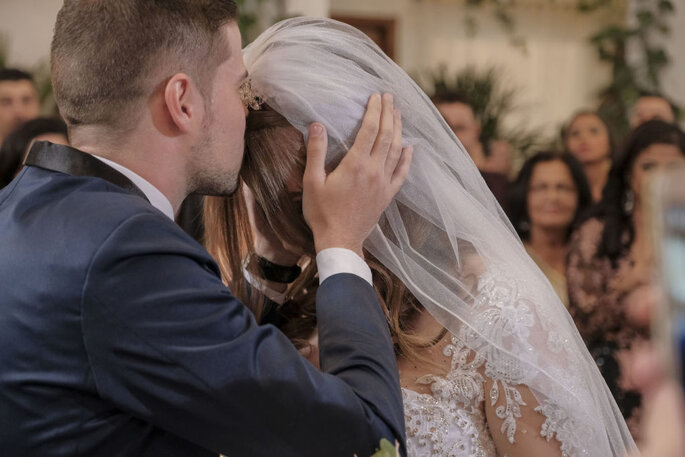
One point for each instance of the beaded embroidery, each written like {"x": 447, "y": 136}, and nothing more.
{"x": 451, "y": 421}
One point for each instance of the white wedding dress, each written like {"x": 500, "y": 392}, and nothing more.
{"x": 450, "y": 422}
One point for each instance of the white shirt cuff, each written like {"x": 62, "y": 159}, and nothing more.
{"x": 276, "y": 297}
{"x": 332, "y": 261}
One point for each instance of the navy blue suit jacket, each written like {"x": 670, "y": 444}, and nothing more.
{"x": 118, "y": 338}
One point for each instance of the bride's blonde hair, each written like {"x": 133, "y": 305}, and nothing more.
{"x": 275, "y": 152}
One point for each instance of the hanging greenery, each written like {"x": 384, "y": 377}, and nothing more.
{"x": 248, "y": 18}
{"x": 633, "y": 49}
{"x": 501, "y": 10}
{"x": 256, "y": 15}
{"x": 631, "y": 77}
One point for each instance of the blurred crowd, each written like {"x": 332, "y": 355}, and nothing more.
{"x": 581, "y": 211}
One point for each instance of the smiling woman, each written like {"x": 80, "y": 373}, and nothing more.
{"x": 546, "y": 201}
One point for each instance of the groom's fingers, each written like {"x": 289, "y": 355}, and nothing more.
{"x": 317, "y": 145}
{"x": 384, "y": 138}
{"x": 368, "y": 131}
{"x": 396, "y": 148}
{"x": 402, "y": 169}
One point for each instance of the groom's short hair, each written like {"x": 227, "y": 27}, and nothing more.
{"x": 108, "y": 56}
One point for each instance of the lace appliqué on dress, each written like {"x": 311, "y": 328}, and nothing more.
{"x": 504, "y": 315}
{"x": 451, "y": 421}
{"x": 558, "y": 425}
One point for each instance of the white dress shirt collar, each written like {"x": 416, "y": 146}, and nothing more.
{"x": 156, "y": 198}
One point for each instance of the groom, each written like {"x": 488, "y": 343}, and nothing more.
{"x": 117, "y": 336}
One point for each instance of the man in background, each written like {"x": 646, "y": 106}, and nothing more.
{"x": 494, "y": 159}
{"x": 18, "y": 100}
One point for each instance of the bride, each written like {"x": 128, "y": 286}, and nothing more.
{"x": 490, "y": 361}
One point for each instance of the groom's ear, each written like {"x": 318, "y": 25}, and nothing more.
{"x": 183, "y": 104}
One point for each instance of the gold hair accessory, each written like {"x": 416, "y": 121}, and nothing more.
{"x": 249, "y": 96}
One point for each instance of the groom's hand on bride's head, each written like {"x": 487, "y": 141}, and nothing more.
{"x": 343, "y": 206}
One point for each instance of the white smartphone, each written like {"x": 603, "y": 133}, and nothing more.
{"x": 668, "y": 229}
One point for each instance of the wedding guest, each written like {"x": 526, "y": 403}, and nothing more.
{"x": 652, "y": 106}
{"x": 588, "y": 138}
{"x": 16, "y": 145}
{"x": 545, "y": 202}
{"x": 18, "y": 100}
{"x": 493, "y": 159}
{"x": 458, "y": 112}
{"x": 610, "y": 259}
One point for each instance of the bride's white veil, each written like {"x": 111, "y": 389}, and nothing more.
{"x": 444, "y": 235}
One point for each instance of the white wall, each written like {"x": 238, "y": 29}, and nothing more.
{"x": 27, "y": 25}
{"x": 673, "y": 77}
{"x": 558, "y": 74}
{"x": 316, "y": 8}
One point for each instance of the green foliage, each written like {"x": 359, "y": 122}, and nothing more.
{"x": 3, "y": 51}
{"x": 248, "y": 19}
{"x": 491, "y": 103}
{"x": 501, "y": 11}
{"x": 386, "y": 450}
{"x": 588, "y": 6}
{"x": 631, "y": 77}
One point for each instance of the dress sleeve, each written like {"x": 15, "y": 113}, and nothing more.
{"x": 527, "y": 438}
{"x": 169, "y": 344}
